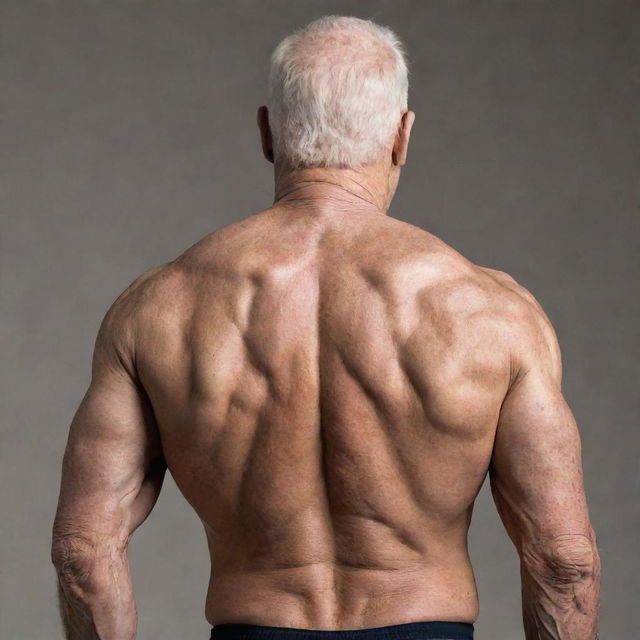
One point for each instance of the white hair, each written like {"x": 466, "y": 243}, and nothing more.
{"x": 337, "y": 90}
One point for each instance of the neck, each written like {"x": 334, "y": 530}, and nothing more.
{"x": 367, "y": 188}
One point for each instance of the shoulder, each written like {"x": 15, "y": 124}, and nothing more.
{"x": 534, "y": 340}
{"x": 464, "y": 292}
{"x": 116, "y": 337}
{"x": 489, "y": 308}
{"x": 510, "y": 283}
{"x": 141, "y": 290}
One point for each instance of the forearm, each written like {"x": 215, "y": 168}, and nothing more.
{"x": 96, "y": 595}
{"x": 560, "y": 597}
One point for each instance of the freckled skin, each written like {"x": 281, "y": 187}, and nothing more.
{"x": 326, "y": 388}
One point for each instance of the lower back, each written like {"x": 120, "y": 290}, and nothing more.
{"x": 330, "y": 596}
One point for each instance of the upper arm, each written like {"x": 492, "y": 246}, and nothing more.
{"x": 536, "y": 470}
{"x": 113, "y": 464}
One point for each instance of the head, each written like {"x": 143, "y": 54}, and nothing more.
{"x": 338, "y": 100}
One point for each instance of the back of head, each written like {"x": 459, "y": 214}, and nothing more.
{"x": 337, "y": 90}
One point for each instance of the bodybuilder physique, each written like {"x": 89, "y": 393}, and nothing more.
{"x": 329, "y": 386}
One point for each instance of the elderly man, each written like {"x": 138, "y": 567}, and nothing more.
{"x": 329, "y": 387}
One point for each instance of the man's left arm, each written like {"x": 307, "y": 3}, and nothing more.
{"x": 112, "y": 474}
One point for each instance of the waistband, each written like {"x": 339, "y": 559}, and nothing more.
{"x": 431, "y": 630}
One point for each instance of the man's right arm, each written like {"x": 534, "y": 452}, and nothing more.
{"x": 536, "y": 481}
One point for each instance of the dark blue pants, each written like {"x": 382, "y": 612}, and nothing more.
{"x": 408, "y": 631}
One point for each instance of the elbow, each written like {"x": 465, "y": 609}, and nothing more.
{"x": 74, "y": 560}
{"x": 84, "y": 564}
{"x": 76, "y": 549}
{"x": 563, "y": 561}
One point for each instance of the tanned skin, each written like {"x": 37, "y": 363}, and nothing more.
{"x": 329, "y": 387}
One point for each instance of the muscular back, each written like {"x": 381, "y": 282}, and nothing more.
{"x": 326, "y": 387}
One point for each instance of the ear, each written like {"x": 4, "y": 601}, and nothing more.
{"x": 265, "y": 133}
{"x": 399, "y": 154}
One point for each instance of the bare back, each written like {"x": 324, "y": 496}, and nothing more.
{"x": 327, "y": 388}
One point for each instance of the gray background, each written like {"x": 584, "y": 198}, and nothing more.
{"x": 128, "y": 132}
